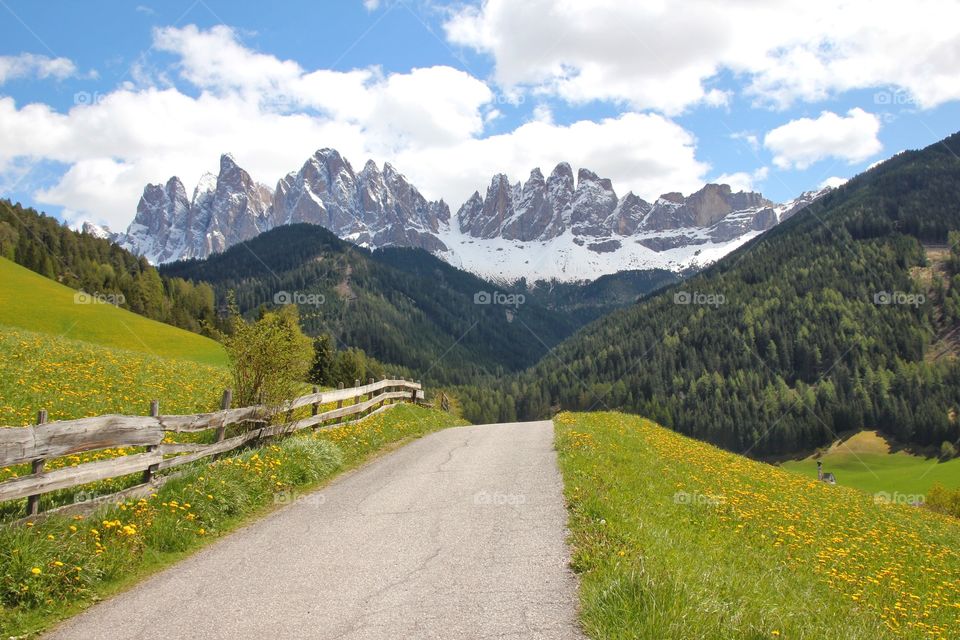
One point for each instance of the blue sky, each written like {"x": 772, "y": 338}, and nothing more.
{"x": 96, "y": 99}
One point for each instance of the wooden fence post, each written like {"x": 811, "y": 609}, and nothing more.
{"x": 340, "y": 402}
{"x": 384, "y": 390}
{"x": 413, "y": 396}
{"x": 314, "y": 406}
{"x": 33, "y": 502}
{"x": 356, "y": 398}
{"x": 152, "y": 469}
{"x": 224, "y": 405}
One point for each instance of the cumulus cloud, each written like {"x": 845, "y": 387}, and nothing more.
{"x": 802, "y": 142}
{"x": 37, "y": 66}
{"x": 650, "y": 55}
{"x": 832, "y": 181}
{"x": 743, "y": 180}
{"x": 643, "y": 153}
{"x": 272, "y": 114}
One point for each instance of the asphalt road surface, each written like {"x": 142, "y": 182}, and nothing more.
{"x": 460, "y": 534}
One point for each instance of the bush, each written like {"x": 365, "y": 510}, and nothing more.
{"x": 943, "y": 500}
{"x": 269, "y": 358}
{"x": 310, "y": 459}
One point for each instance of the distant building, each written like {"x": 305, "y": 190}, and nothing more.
{"x": 829, "y": 478}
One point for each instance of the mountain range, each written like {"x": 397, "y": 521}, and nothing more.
{"x": 562, "y": 226}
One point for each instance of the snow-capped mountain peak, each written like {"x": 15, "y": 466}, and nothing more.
{"x": 565, "y": 225}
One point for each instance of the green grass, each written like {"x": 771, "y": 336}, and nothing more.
{"x": 864, "y": 462}
{"x": 674, "y": 538}
{"x": 30, "y": 301}
{"x": 74, "y": 379}
{"x": 80, "y": 561}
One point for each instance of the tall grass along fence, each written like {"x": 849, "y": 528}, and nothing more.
{"x": 151, "y": 440}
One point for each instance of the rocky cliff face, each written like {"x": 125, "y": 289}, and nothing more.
{"x": 544, "y": 209}
{"x": 379, "y": 207}
{"x": 224, "y": 210}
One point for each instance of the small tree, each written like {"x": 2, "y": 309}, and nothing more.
{"x": 350, "y": 366}
{"x": 269, "y": 358}
{"x": 947, "y": 450}
{"x": 321, "y": 371}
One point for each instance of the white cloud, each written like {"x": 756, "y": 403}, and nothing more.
{"x": 371, "y": 5}
{"x": 800, "y": 143}
{"x": 833, "y": 181}
{"x": 643, "y": 153}
{"x": 750, "y": 138}
{"x": 651, "y": 55}
{"x": 33, "y": 65}
{"x": 272, "y": 114}
{"x": 743, "y": 180}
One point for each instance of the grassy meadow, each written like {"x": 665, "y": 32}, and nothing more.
{"x": 866, "y": 461}
{"x": 76, "y": 379}
{"x": 674, "y": 538}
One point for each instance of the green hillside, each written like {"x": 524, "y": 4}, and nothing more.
{"x": 817, "y": 327}
{"x": 674, "y": 538}
{"x": 81, "y": 261}
{"x": 30, "y": 301}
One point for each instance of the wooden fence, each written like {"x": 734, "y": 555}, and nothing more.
{"x": 46, "y": 440}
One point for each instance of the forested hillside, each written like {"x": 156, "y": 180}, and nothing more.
{"x": 99, "y": 267}
{"x": 818, "y": 326}
{"x": 591, "y": 300}
{"x": 402, "y": 306}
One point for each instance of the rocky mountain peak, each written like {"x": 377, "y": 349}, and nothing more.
{"x": 378, "y": 206}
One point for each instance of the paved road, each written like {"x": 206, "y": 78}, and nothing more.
{"x": 457, "y": 535}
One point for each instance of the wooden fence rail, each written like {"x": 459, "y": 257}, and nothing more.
{"x": 45, "y": 440}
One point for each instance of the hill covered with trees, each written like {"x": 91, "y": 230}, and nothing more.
{"x": 821, "y": 325}
{"x": 404, "y": 306}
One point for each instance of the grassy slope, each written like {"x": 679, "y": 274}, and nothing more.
{"x": 674, "y": 538}
{"x": 74, "y": 379}
{"x": 866, "y": 462}
{"x": 30, "y": 301}
{"x": 212, "y": 499}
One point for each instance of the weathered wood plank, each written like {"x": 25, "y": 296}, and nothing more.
{"x": 209, "y": 450}
{"x": 304, "y": 423}
{"x": 75, "y": 476}
{"x": 54, "y": 439}
{"x": 204, "y": 421}
{"x": 335, "y": 395}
